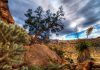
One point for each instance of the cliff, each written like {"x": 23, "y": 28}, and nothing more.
{"x": 5, "y": 14}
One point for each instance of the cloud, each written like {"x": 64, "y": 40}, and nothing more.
{"x": 58, "y": 37}
{"x": 77, "y": 9}
{"x": 81, "y": 13}
{"x": 19, "y": 7}
{"x": 77, "y": 22}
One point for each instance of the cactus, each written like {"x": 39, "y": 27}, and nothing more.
{"x": 12, "y": 40}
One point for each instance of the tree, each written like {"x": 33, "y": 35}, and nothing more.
{"x": 76, "y": 32}
{"x": 82, "y": 47}
{"x": 43, "y": 23}
{"x": 89, "y": 31}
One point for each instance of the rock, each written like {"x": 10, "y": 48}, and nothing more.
{"x": 86, "y": 65}
{"x": 41, "y": 55}
{"x": 4, "y": 12}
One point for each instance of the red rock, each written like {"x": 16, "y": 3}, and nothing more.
{"x": 5, "y": 14}
{"x": 41, "y": 55}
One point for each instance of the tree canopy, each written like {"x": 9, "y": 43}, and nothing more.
{"x": 89, "y": 31}
{"x": 42, "y": 23}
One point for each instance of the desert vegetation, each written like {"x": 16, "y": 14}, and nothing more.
{"x": 12, "y": 40}
{"x": 34, "y": 50}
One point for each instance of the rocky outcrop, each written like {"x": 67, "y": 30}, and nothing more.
{"x": 41, "y": 55}
{"x": 4, "y": 12}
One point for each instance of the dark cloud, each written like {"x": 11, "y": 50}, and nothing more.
{"x": 89, "y": 22}
{"x": 19, "y": 7}
{"x": 66, "y": 1}
{"x": 67, "y": 28}
{"x": 91, "y": 12}
{"x": 90, "y": 9}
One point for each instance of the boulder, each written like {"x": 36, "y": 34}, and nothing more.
{"x": 41, "y": 55}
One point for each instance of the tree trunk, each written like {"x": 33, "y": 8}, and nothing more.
{"x": 35, "y": 38}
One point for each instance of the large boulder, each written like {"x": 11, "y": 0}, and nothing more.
{"x": 41, "y": 55}
{"x": 4, "y": 12}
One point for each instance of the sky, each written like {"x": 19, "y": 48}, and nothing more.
{"x": 80, "y": 13}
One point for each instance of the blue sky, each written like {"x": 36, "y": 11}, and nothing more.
{"x": 80, "y": 13}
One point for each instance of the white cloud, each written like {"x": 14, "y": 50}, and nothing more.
{"x": 76, "y": 22}
{"x": 98, "y": 23}
{"x": 54, "y": 36}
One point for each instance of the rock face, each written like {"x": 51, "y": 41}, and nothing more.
{"x": 4, "y": 12}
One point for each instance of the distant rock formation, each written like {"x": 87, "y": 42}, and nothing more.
{"x": 4, "y": 12}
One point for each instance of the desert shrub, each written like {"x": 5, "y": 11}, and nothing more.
{"x": 70, "y": 60}
{"x": 12, "y": 39}
{"x": 53, "y": 66}
{"x": 58, "y": 48}
{"x": 59, "y": 52}
{"x": 82, "y": 47}
{"x": 34, "y": 67}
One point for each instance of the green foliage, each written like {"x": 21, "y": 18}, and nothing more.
{"x": 12, "y": 39}
{"x": 13, "y": 33}
{"x": 82, "y": 48}
{"x": 58, "y": 48}
{"x": 59, "y": 52}
{"x": 42, "y": 23}
{"x": 82, "y": 45}
{"x": 70, "y": 60}
{"x": 35, "y": 68}
{"x": 10, "y": 54}
{"x": 53, "y": 66}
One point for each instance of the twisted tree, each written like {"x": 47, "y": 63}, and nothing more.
{"x": 42, "y": 23}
